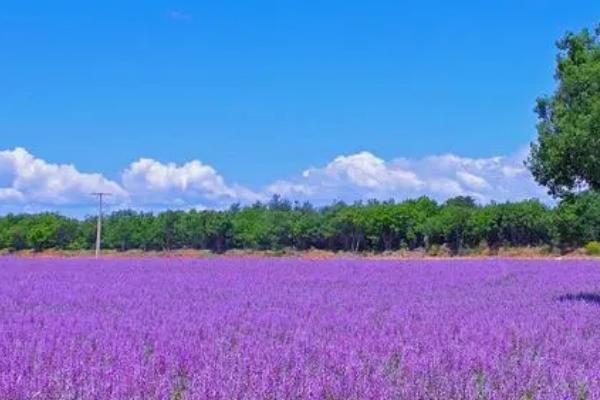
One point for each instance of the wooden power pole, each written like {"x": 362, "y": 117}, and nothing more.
{"x": 100, "y": 196}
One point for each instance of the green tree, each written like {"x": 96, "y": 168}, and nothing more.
{"x": 452, "y": 225}
{"x": 524, "y": 223}
{"x": 249, "y": 226}
{"x": 190, "y": 229}
{"x": 566, "y": 155}
{"x": 219, "y": 229}
{"x": 119, "y": 230}
{"x": 49, "y": 230}
{"x": 576, "y": 221}
{"x": 13, "y": 230}
{"x": 307, "y": 228}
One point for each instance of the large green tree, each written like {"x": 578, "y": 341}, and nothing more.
{"x": 566, "y": 155}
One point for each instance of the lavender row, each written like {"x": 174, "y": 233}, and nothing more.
{"x": 299, "y": 329}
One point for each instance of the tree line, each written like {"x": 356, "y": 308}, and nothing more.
{"x": 458, "y": 225}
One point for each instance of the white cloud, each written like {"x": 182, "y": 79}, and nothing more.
{"x": 289, "y": 188}
{"x": 25, "y": 179}
{"x": 444, "y": 187}
{"x": 28, "y": 183}
{"x": 364, "y": 175}
{"x": 471, "y": 180}
{"x": 367, "y": 171}
{"x": 10, "y": 194}
{"x": 150, "y": 181}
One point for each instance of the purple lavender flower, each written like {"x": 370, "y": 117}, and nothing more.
{"x": 299, "y": 329}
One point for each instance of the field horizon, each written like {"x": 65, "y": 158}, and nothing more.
{"x": 516, "y": 253}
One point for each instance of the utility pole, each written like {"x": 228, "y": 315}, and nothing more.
{"x": 100, "y": 196}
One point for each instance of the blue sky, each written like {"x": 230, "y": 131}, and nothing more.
{"x": 261, "y": 92}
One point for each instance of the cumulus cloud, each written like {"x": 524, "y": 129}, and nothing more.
{"x": 367, "y": 171}
{"x": 472, "y": 181}
{"x": 25, "y": 179}
{"x": 150, "y": 181}
{"x": 364, "y": 176}
{"x": 290, "y": 189}
{"x": 28, "y": 183}
{"x": 10, "y": 195}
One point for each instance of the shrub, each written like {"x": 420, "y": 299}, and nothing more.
{"x": 436, "y": 250}
{"x": 593, "y": 248}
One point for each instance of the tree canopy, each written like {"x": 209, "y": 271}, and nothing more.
{"x": 459, "y": 224}
{"x": 566, "y": 155}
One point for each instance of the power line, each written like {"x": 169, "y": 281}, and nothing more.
{"x": 100, "y": 196}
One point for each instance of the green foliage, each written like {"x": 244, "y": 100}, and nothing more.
{"x": 593, "y": 248}
{"x": 576, "y": 220}
{"x": 525, "y": 223}
{"x": 565, "y": 156}
{"x": 459, "y": 226}
{"x": 451, "y": 225}
{"x": 38, "y": 232}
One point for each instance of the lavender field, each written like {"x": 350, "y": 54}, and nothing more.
{"x": 299, "y": 329}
